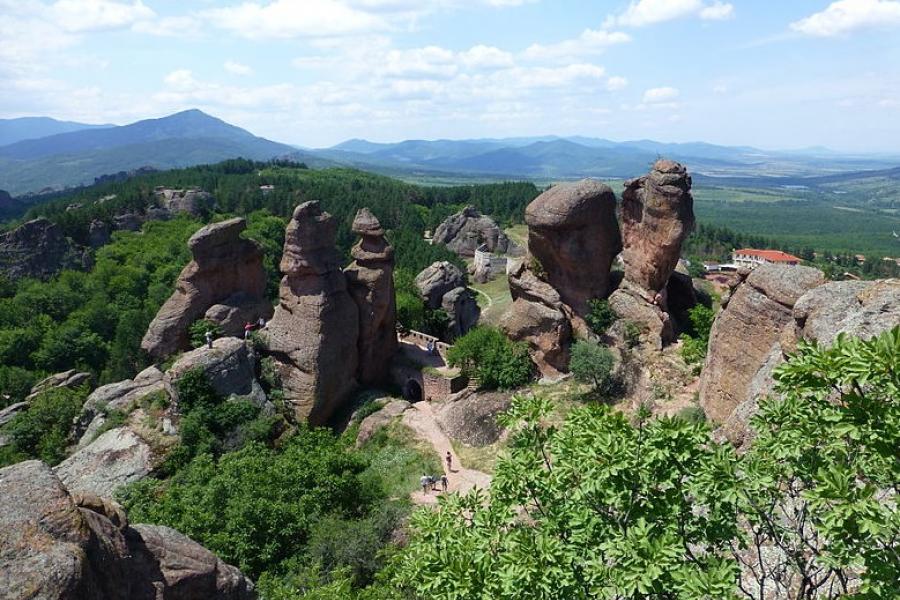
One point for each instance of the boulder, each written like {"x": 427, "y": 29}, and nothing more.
{"x": 472, "y": 419}
{"x": 314, "y": 332}
{"x": 229, "y": 366}
{"x": 539, "y": 317}
{"x": 856, "y": 308}
{"x": 657, "y": 216}
{"x": 370, "y": 281}
{"x": 468, "y": 229}
{"x": 194, "y": 201}
{"x": 37, "y": 249}
{"x": 223, "y": 266}
{"x": 70, "y": 379}
{"x": 115, "y": 459}
{"x": 233, "y": 314}
{"x": 438, "y": 279}
{"x": 369, "y": 426}
{"x": 462, "y": 306}
{"x": 631, "y": 304}
{"x": 573, "y": 239}
{"x": 744, "y": 334}
{"x": 98, "y": 234}
{"x": 58, "y": 545}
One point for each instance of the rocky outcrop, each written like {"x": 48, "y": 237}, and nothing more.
{"x": 313, "y": 335}
{"x": 466, "y": 230}
{"x": 236, "y": 311}
{"x": 539, "y": 317}
{"x": 229, "y": 367}
{"x": 372, "y": 424}
{"x": 70, "y": 379}
{"x": 115, "y": 459}
{"x": 121, "y": 397}
{"x": 193, "y": 201}
{"x": 573, "y": 239}
{"x": 225, "y": 268}
{"x": 472, "y": 419}
{"x": 438, "y": 279}
{"x": 747, "y": 331}
{"x": 856, "y": 308}
{"x": 37, "y": 249}
{"x": 657, "y": 216}
{"x": 370, "y": 281}
{"x": 461, "y": 304}
{"x": 58, "y": 545}
{"x": 98, "y": 234}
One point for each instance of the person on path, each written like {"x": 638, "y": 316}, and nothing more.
{"x": 430, "y": 347}
{"x": 209, "y": 339}
{"x": 425, "y": 480}
{"x": 449, "y": 460}
{"x": 444, "y": 482}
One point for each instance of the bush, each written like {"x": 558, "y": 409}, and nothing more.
{"x": 42, "y": 430}
{"x": 694, "y": 346}
{"x": 600, "y": 316}
{"x": 487, "y": 354}
{"x": 198, "y": 329}
{"x": 692, "y": 414}
{"x": 592, "y": 363}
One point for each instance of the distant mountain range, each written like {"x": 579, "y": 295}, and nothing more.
{"x": 42, "y": 154}
{"x": 77, "y": 157}
{"x": 550, "y": 157}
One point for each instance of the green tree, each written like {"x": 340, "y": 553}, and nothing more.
{"x": 487, "y": 354}
{"x": 821, "y": 480}
{"x": 592, "y": 363}
{"x": 598, "y": 508}
{"x": 600, "y": 316}
{"x": 42, "y": 430}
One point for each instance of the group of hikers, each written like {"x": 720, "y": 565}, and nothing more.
{"x": 429, "y": 482}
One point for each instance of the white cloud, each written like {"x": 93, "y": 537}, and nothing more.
{"x": 590, "y": 42}
{"x": 846, "y": 16}
{"x": 616, "y": 83}
{"x": 288, "y": 19}
{"x": 641, "y": 13}
{"x": 236, "y": 68}
{"x": 486, "y": 57}
{"x": 717, "y": 11}
{"x": 97, "y": 15}
{"x": 430, "y": 62}
{"x": 660, "y": 95}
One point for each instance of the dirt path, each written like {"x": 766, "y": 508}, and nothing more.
{"x": 420, "y": 418}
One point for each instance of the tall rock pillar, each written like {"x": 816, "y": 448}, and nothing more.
{"x": 370, "y": 280}
{"x": 313, "y": 334}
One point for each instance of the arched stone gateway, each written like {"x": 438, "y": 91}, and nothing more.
{"x": 412, "y": 391}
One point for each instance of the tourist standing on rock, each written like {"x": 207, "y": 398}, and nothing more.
{"x": 444, "y": 482}
{"x": 248, "y": 327}
{"x": 261, "y": 324}
{"x": 425, "y": 480}
{"x": 449, "y": 460}
{"x": 209, "y": 339}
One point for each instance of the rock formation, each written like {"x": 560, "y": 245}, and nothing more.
{"x": 58, "y": 545}
{"x": 539, "y": 316}
{"x": 573, "y": 239}
{"x": 747, "y": 331}
{"x": 37, "y": 249}
{"x": 70, "y": 379}
{"x": 370, "y": 281}
{"x": 229, "y": 366}
{"x": 443, "y": 286}
{"x": 226, "y": 269}
{"x": 120, "y": 397}
{"x": 657, "y": 216}
{"x": 436, "y": 280}
{"x": 466, "y": 230}
{"x": 313, "y": 335}
{"x": 857, "y": 308}
{"x": 98, "y": 234}
{"x": 193, "y": 201}
{"x": 116, "y": 458}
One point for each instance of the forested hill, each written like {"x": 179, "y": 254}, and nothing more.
{"x": 94, "y": 320}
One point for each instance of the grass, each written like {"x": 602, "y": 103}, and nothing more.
{"x": 398, "y": 459}
{"x": 493, "y": 298}
{"x": 482, "y": 459}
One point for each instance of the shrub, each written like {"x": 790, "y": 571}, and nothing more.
{"x": 592, "y": 363}
{"x": 42, "y": 430}
{"x": 632, "y": 334}
{"x": 694, "y": 347}
{"x": 488, "y": 355}
{"x": 600, "y": 316}
{"x": 692, "y": 414}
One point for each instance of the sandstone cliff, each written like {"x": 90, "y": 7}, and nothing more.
{"x": 226, "y": 270}
{"x": 314, "y": 332}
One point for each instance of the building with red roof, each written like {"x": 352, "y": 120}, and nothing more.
{"x": 751, "y": 257}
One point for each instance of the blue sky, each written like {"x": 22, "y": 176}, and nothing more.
{"x": 315, "y": 72}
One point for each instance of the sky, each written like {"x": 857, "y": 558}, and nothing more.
{"x": 775, "y": 75}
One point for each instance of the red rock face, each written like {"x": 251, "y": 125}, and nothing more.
{"x": 573, "y": 237}
{"x": 224, "y": 266}
{"x": 313, "y": 334}
{"x": 370, "y": 281}
{"x": 657, "y": 216}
